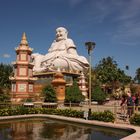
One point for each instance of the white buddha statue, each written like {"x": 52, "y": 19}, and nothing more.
{"x": 62, "y": 54}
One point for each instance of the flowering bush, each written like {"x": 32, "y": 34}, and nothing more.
{"x": 135, "y": 119}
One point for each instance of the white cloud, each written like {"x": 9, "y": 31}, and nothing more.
{"x": 129, "y": 10}
{"x": 127, "y": 33}
{"x": 122, "y": 9}
{"x": 6, "y": 55}
{"x": 128, "y": 23}
{"x": 99, "y": 10}
{"x": 121, "y": 15}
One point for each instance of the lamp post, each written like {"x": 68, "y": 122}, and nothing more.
{"x": 90, "y": 46}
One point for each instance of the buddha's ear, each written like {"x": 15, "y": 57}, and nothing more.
{"x": 66, "y": 35}
{"x": 66, "y": 32}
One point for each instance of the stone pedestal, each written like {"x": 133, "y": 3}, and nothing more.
{"x": 59, "y": 86}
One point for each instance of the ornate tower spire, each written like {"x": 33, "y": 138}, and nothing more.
{"x": 23, "y": 44}
{"x": 22, "y": 80}
{"x": 24, "y": 40}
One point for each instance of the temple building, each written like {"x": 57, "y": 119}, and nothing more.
{"x": 22, "y": 79}
{"x": 33, "y": 71}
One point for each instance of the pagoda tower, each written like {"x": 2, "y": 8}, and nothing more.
{"x": 22, "y": 79}
{"x": 59, "y": 84}
{"x": 83, "y": 86}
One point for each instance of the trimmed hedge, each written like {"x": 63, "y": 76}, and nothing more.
{"x": 135, "y": 119}
{"x": 105, "y": 116}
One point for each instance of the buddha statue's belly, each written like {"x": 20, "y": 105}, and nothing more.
{"x": 59, "y": 62}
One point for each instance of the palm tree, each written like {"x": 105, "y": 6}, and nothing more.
{"x": 127, "y": 67}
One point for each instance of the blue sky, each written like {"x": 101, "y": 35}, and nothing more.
{"x": 113, "y": 24}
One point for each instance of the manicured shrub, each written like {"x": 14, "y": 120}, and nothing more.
{"x": 4, "y": 112}
{"x": 70, "y": 113}
{"x": 98, "y": 95}
{"x": 22, "y": 110}
{"x": 13, "y": 111}
{"x": 48, "y": 111}
{"x": 135, "y": 119}
{"x": 73, "y": 94}
{"x": 106, "y": 116}
{"x": 49, "y": 94}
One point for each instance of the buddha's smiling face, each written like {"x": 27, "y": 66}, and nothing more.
{"x": 61, "y": 33}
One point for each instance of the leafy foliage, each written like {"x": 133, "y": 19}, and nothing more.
{"x": 5, "y": 72}
{"x": 49, "y": 94}
{"x": 135, "y": 119}
{"x": 73, "y": 94}
{"x": 28, "y": 100}
{"x": 107, "y": 72}
{"x": 137, "y": 77}
{"x": 133, "y": 89}
{"x": 106, "y": 116}
{"x": 98, "y": 95}
{"x": 5, "y": 83}
{"x": 4, "y": 95}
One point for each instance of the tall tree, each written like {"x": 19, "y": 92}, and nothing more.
{"x": 4, "y": 95}
{"x": 5, "y": 72}
{"x": 73, "y": 94}
{"x": 49, "y": 94}
{"x": 137, "y": 77}
{"x": 108, "y": 73}
{"x": 98, "y": 95}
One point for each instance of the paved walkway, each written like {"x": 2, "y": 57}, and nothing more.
{"x": 113, "y": 106}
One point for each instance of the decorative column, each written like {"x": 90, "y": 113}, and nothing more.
{"x": 22, "y": 80}
{"x": 59, "y": 85}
